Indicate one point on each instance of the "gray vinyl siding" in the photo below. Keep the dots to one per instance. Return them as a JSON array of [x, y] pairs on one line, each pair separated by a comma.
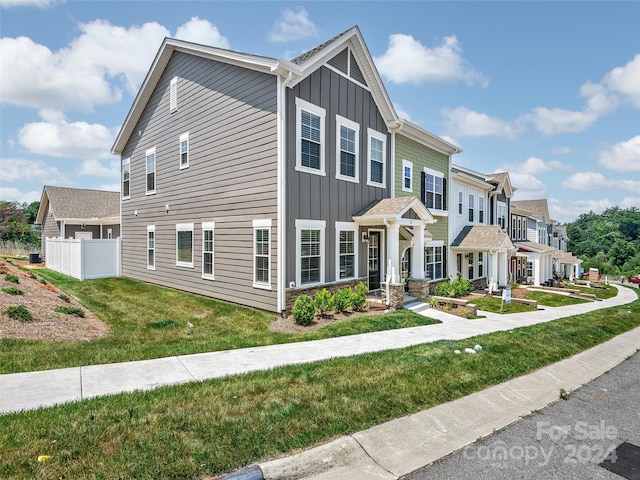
[[230, 115], [115, 231], [50, 228], [70, 230], [315, 197]]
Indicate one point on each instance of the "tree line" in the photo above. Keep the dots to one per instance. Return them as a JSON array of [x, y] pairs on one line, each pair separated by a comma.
[[16, 223], [609, 241]]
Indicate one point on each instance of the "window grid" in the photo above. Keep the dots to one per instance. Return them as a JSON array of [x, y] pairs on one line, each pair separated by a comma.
[[348, 162], [433, 186], [310, 140], [184, 150], [151, 248], [433, 262], [151, 170], [184, 245], [377, 160], [471, 212], [310, 256], [470, 267], [126, 178], [262, 248], [207, 251], [480, 210], [347, 254]]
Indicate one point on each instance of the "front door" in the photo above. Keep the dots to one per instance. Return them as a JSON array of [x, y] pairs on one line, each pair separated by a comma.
[[374, 260]]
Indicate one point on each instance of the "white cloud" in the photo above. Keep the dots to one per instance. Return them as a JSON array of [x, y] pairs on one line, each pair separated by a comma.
[[528, 187], [97, 168], [626, 80], [11, 194], [29, 3], [61, 138], [293, 25], [408, 61], [596, 181], [464, 122], [561, 150], [629, 202], [202, 31], [16, 169], [568, 211], [622, 157], [551, 121], [534, 165], [402, 113]]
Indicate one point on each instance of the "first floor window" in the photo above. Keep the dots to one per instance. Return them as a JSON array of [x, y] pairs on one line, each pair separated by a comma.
[[433, 262], [126, 172], [184, 244], [151, 247], [151, 170], [262, 252], [470, 267], [529, 269], [310, 247], [480, 265], [207, 249], [459, 264], [346, 234]]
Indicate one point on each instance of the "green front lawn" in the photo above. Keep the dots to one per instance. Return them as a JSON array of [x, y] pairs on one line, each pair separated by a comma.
[[550, 299], [606, 291], [148, 321], [493, 304], [217, 426]]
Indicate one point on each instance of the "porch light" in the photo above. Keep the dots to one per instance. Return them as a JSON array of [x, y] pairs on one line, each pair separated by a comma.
[[365, 237]]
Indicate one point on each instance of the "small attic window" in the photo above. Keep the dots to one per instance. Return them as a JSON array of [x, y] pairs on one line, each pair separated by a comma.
[[173, 94]]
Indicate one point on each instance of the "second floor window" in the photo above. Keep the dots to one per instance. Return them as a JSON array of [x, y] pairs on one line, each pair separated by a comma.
[[377, 158], [471, 208], [480, 210], [347, 149], [502, 215], [434, 192], [407, 176], [126, 172], [151, 170], [310, 137], [459, 203], [184, 150]]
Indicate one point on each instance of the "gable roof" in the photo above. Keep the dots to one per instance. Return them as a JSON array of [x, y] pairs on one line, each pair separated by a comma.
[[393, 209], [534, 247], [78, 204], [538, 208], [503, 183], [483, 238], [294, 71]]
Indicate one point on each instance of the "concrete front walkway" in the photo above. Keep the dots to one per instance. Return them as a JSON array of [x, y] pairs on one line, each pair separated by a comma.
[[26, 391]]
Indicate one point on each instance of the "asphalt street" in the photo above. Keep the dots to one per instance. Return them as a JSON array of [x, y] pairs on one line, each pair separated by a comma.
[[567, 440]]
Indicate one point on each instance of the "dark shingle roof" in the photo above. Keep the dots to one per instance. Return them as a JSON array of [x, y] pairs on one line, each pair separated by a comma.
[[301, 58], [82, 203], [476, 237]]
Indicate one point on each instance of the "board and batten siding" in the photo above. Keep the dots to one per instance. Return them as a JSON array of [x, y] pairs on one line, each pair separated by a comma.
[[315, 197], [230, 115], [422, 156]]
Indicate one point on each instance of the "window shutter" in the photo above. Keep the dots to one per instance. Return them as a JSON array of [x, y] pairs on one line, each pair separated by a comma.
[[173, 94], [422, 186], [445, 204], [445, 255]]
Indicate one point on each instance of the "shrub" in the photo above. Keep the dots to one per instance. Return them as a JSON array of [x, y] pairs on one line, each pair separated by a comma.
[[64, 298], [458, 288], [13, 291], [323, 301], [78, 312], [513, 284], [359, 297], [433, 302], [304, 310], [19, 313], [342, 300], [12, 278], [43, 281]]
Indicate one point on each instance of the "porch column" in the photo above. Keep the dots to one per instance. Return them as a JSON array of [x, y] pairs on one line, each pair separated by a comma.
[[393, 251], [536, 271], [417, 255]]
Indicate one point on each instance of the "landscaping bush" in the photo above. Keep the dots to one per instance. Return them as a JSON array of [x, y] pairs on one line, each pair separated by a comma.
[[64, 298], [342, 300], [458, 288], [78, 312], [359, 297], [323, 301], [19, 313], [43, 281], [12, 278], [304, 309], [13, 291]]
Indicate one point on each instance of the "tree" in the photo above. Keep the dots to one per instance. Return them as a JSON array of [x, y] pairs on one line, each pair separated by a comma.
[[620, 252], [31, 212]]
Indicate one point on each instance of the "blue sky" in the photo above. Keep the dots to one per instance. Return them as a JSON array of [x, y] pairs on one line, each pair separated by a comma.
[[548, 91]]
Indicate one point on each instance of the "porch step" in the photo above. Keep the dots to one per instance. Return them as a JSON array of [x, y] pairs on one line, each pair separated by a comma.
[[409, 299], [416, 306]]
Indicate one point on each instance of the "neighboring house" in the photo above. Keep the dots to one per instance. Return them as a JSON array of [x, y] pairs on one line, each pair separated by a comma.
[[422, 165], [78, 213], [479, 250], [533, 263], [560, 239], [254, 179]]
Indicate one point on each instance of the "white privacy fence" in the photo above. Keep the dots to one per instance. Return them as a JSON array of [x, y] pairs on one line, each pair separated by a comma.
[[84, 259]]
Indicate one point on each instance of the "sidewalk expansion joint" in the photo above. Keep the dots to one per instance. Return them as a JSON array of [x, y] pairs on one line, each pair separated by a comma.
[[373, 459], [81, 384], [187, 368]]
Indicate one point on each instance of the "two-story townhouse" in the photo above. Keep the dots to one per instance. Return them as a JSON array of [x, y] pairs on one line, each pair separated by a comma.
[[422, 166], [479, 250], [254, 179]]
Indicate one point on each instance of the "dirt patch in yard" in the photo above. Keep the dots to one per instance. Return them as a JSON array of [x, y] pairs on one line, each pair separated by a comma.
[[41, 300]]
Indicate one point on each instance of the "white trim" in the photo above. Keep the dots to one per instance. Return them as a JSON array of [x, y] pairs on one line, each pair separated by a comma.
[[152, 229], [183, 137], [261, 224], [173, 94], [151, 151], [319, 112], [435, 173], [346, 227], [434, 243], [409, 164], [302, 224], [383, 138], [345, 122], [127, 162], [184, 227], [209, 226]]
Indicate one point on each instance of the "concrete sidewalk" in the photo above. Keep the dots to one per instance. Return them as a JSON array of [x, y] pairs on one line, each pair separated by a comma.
[[25, 391]]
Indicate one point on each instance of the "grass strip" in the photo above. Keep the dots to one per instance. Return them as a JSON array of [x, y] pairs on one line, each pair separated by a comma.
[[217, 426], [149, 321], [497, 305], [554, 299]]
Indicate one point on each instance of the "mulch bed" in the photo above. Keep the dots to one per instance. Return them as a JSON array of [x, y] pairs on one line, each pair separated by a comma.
[[288, 324]]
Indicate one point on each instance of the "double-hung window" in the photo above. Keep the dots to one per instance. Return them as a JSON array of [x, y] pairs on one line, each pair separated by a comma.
[[480, 265], [310, 251], [407, 176], [481, 210], [377, 150], [309, 137], [471, 208], [207, 250], [184, 245], [347, 158], [433, 262], [262, 253], [470, 267], [346, 257], [459, 203], [502, 215], [515, 228], [151, 170], [126, 172], [433, 190], [151, 247], [184, 150]]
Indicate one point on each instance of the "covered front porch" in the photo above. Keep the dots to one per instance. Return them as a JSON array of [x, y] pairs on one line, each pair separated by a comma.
[[567, 265], [539, 262]]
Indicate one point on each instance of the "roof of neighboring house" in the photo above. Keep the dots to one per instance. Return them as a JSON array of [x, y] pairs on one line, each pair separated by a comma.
[[394, 209], [482, 238], [562, 230], [78, 203], [503, 183], [565, 257], [534, 247], [538, 208]]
